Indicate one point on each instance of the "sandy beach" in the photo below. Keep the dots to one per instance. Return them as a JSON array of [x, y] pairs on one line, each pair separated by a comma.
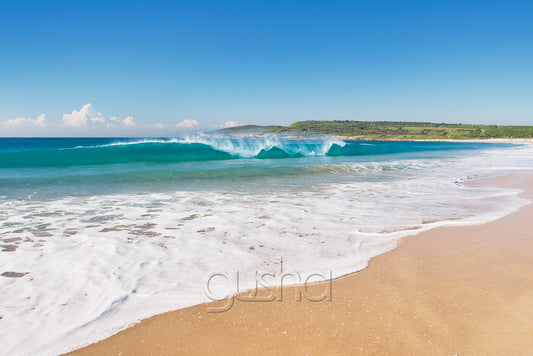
[[451, 290]]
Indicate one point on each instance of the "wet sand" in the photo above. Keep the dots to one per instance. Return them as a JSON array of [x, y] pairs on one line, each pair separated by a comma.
[[451, 290]]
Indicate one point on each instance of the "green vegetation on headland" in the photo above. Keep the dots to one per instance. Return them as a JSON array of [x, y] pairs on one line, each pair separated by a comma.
[[390, 130]]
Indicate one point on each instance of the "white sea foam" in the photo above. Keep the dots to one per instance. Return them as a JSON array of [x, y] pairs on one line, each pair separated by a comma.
[[245, 145], [128, 143], [251, 146], [98, 264]]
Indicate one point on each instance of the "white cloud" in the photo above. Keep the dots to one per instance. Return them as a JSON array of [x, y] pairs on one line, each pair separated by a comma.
[[25, 122], [231, 124], [91, 122], [99, 119], [39, 121], [128, 122], [78, 118], [187, 124], [86, 115], [158, 126]]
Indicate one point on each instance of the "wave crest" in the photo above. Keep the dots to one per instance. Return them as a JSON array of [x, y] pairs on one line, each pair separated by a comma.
[[154, 151]]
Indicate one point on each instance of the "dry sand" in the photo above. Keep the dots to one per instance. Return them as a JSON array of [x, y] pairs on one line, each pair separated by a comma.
[[451, 290]]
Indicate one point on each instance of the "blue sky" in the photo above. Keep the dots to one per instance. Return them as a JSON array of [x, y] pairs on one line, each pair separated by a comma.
[[164, 67]]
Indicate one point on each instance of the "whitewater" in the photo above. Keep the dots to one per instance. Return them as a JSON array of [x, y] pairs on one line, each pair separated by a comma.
[[97, 234]]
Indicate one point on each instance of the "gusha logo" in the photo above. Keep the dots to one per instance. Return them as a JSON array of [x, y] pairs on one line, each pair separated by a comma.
[[269, 287]]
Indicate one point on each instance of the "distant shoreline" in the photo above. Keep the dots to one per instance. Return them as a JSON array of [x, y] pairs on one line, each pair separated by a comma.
[[396, 131], [479, 140]]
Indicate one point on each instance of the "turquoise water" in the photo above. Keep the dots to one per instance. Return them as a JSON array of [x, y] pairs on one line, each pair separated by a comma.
[[46, 168]]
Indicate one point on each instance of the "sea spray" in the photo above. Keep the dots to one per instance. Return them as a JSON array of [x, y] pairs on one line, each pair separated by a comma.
[[255, 144]]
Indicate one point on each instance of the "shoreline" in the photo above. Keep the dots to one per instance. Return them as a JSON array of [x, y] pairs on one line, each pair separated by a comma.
[[196, 330], [486, 140]]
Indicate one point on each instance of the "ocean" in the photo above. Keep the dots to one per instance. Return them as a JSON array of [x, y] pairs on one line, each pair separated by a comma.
[[97, 233]]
